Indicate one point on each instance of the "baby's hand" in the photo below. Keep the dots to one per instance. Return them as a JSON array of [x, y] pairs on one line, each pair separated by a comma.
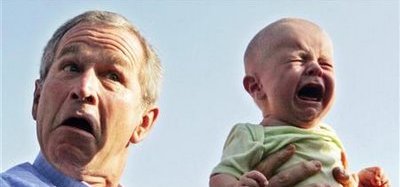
[[373, 177], [253, 178]]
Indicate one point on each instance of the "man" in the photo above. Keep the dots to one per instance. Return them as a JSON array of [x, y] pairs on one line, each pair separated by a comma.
[[99, 81]]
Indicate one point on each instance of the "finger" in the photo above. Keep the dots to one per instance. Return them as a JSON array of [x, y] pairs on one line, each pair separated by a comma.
[[258, 177], [249, 182], [342, 177], [275, 160], [318, 185], [385, 181], [344, 160], [295, 174]]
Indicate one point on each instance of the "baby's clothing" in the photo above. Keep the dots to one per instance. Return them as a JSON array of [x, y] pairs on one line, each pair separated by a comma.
[[248, 144]]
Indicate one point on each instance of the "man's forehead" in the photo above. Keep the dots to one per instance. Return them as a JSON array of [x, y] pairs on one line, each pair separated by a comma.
[[79, 51], [102, 36]]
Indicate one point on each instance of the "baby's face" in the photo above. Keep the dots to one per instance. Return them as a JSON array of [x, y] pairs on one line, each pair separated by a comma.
[[298, 75]]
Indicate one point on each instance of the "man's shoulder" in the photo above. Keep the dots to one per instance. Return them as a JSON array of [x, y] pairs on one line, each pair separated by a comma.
[[22, 175]]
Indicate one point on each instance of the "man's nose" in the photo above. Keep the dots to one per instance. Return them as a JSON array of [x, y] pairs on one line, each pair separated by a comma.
[[85, 88], [314, 69]]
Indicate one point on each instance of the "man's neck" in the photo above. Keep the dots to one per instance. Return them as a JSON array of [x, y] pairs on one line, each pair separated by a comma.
[[98, 172], [53, 175], [103, 174]]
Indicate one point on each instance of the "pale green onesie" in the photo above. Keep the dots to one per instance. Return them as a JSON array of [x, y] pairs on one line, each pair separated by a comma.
[[248, 144]]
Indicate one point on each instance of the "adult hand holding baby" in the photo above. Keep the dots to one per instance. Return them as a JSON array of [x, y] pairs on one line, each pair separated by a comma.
[[263, 175], [291, 176], [368, 177]]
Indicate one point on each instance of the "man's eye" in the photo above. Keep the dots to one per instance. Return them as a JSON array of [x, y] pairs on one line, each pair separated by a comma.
[[113, 77], [71, 68]]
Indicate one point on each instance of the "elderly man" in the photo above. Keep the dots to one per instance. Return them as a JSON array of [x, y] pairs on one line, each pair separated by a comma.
[[99, 80]]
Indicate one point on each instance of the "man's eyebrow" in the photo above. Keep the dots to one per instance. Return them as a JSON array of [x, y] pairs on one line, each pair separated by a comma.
[[72, 49], [120, 61]]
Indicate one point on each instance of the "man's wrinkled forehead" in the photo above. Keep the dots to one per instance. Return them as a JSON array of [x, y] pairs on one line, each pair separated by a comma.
[[103, 36]]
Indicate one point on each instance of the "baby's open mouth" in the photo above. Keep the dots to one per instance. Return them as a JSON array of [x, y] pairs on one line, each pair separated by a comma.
[[79, 123], [311, 92]]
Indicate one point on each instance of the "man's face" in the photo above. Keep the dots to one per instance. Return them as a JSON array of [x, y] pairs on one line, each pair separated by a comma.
[[297, 76], [90, 102]]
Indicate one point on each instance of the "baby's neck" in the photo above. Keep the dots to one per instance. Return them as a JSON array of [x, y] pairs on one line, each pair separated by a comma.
[[270, 122]]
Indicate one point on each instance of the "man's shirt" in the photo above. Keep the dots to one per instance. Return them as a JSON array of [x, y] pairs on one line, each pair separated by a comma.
[[40, 173]]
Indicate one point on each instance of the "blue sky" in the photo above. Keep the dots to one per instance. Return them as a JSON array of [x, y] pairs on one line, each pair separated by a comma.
[[201, 45]]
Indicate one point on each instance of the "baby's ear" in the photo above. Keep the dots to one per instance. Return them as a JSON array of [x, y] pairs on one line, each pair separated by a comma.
[[253, 87]]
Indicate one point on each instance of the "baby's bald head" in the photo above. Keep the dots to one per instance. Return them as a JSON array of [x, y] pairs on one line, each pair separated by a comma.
[[266, 41]]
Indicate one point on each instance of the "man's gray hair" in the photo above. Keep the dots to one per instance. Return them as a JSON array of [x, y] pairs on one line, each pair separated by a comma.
[[150, 70]]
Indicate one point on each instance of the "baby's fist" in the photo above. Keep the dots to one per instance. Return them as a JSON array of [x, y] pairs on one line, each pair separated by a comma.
[[373, 177]]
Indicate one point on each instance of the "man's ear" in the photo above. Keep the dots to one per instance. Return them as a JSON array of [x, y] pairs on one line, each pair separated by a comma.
[[36, 97], [144, 128], [253, 87]]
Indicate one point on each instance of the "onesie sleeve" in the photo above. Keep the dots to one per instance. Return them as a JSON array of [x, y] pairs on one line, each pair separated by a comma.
[[243, 149]]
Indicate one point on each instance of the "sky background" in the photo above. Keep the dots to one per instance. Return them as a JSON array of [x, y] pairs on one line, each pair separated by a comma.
[[201, 45]]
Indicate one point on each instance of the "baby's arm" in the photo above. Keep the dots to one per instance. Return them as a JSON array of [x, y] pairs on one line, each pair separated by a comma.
[[251, 178], [373, 177]]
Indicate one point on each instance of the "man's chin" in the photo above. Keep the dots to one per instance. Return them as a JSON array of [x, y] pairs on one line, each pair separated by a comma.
[[68, 157], [69, 147], [76, 158]]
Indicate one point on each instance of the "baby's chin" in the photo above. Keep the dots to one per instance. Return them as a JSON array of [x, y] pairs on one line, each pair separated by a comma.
[[308, 121], [307, 125], [309, 117]]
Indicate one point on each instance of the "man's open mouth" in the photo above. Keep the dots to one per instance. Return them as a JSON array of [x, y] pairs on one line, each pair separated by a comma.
[[79, 123], [311, 92]]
